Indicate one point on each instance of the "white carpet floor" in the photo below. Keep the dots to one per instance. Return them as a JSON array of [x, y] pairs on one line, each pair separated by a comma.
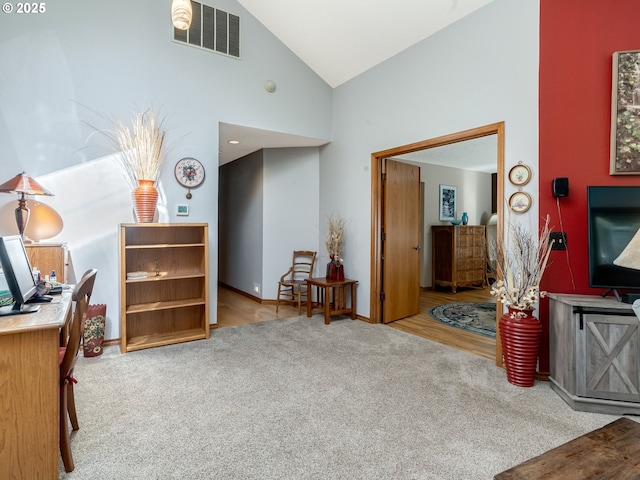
[[297, 399]]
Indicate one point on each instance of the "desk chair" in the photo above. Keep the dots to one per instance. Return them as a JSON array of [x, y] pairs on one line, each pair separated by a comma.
[[67, 358], [292, 285]]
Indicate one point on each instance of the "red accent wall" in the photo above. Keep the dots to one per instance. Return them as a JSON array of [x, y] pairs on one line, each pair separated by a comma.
[[577, 40]]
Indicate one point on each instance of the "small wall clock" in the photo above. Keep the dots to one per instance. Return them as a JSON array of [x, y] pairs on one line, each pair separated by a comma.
[[520, 202], [189, 173], [520, 175]]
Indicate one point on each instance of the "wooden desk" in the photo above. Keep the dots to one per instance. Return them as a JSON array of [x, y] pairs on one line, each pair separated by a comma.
[[339, 304], [608, 452], [29, 391]]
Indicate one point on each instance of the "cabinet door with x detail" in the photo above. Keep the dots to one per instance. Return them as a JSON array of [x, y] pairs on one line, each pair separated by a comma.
[[610, 344]]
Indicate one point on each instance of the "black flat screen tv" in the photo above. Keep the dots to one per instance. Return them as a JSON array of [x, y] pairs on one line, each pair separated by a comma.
[[17, 273], [613, 220]]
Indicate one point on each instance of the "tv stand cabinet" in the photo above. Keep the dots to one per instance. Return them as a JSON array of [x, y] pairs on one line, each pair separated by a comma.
[[168, 301], [594, 350]]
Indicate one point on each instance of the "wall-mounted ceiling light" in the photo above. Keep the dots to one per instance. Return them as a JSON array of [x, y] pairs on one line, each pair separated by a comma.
[[234, 142], [270, 86], [181, 14]]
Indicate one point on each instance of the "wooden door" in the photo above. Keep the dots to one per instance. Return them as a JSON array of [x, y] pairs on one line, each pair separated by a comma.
[[401, 245]]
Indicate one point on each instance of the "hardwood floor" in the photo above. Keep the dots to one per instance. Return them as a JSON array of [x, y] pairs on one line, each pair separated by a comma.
[[238, 309], [423, 325]]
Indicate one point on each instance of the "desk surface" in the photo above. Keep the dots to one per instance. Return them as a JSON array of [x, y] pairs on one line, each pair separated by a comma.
[[51, 315], [30, 400]]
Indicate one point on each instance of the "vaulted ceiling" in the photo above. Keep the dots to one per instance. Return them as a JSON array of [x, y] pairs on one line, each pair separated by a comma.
[[339, 40]]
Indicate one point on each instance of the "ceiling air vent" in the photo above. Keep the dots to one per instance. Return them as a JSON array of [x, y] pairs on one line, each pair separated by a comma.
[[213, 30]]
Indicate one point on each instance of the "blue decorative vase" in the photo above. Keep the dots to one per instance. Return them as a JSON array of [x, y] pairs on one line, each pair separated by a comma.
[[465, 218]]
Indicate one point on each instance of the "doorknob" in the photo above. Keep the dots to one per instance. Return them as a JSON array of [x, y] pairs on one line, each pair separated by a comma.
[[417, 247]]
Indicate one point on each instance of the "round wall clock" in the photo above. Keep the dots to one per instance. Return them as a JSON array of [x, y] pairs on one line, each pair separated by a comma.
[[189, 173], [520, 202], [520, 175]]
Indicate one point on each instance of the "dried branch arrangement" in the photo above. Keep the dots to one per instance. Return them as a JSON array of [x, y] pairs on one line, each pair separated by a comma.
[[335, 236], [139, 147], [521, 261]]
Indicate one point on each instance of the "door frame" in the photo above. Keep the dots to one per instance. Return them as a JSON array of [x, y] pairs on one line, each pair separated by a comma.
[[377, 205]]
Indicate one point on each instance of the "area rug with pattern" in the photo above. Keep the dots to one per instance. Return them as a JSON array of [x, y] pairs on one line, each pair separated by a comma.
[[473, 317]]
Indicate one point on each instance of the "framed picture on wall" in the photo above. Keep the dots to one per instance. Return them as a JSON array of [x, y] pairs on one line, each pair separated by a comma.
[[447, 203], [625, 113]]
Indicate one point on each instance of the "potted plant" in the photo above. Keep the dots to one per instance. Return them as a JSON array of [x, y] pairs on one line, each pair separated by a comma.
[[521, 262]]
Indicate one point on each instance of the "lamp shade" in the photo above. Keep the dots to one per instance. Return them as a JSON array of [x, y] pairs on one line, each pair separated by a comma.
[[44, 222], [630, 256], [23, 183], [181, 14]]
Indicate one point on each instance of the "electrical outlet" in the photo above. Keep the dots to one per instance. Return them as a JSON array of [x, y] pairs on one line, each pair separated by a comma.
[[256, 288], [559, 240]]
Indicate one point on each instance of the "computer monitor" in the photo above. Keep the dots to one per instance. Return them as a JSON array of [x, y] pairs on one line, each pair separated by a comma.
[[17, 274]]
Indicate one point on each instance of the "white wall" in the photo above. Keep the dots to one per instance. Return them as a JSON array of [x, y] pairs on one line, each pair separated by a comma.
[[84, 58], [240, 212], [481, 70], [87, 55], [268, 208], [291, 192]]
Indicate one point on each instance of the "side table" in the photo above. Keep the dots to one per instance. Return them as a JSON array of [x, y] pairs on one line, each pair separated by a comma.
[[339, 305]]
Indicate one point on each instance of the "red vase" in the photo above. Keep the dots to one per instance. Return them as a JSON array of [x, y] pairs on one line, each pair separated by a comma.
[[335, 270], [145, 197], [520, 335]]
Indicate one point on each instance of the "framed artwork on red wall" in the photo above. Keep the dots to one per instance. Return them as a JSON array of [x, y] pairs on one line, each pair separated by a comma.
[[625, 113]]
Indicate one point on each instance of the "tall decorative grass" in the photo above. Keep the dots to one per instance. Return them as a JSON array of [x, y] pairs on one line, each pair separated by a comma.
[[335, 236], [140, 147]]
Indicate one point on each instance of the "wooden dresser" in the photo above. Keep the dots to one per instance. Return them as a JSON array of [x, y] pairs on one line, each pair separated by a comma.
[[459, 256]]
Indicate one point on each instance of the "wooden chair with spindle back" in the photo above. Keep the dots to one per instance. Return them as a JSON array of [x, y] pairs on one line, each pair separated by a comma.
[[67, 358], [292, 286]]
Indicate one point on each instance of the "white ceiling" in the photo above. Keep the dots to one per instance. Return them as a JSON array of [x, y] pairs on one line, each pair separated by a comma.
[[339, 40], [479, 155]]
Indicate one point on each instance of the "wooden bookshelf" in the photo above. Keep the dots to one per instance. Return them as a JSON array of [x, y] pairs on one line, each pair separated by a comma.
[[171, 304]]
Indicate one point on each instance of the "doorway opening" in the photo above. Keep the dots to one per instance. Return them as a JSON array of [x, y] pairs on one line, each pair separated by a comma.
[[377, 208]]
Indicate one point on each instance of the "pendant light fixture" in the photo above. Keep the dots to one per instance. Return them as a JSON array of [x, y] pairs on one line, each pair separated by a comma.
[[181, 13]]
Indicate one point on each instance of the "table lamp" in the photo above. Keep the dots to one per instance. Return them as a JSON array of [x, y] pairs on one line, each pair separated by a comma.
[[23, 184]]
